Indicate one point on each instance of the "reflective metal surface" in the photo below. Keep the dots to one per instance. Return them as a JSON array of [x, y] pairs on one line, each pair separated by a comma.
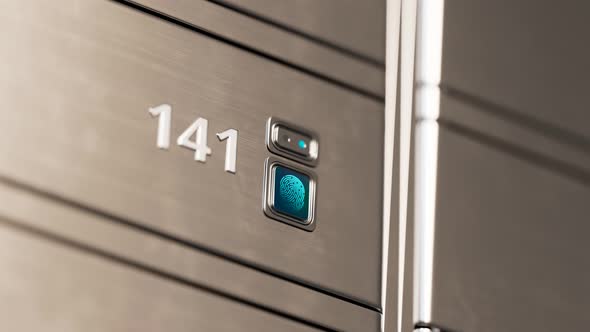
[[528, 59], [276, 42], [461, 112], [46, 286], [122, 244], [427, 110], [77, 81], [349, 25], [510, 245]]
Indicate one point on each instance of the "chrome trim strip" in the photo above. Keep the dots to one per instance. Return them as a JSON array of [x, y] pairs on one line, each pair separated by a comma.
[[390, 230], [428, 75]]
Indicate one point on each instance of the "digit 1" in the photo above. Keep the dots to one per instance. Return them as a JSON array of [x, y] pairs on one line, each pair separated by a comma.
[[231, 149], [164, 114]]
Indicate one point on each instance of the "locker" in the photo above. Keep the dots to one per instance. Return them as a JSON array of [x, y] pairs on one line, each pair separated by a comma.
[[80, 80]]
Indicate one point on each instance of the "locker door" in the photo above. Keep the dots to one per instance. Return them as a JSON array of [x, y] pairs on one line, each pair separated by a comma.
[[79, 81]]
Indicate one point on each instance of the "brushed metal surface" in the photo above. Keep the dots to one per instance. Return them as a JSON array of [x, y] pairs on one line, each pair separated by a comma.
[[462, 112], [352, 24], [273, 41], [47, 214], [528, 56], [511, 243], [48, 287], [76, 84]]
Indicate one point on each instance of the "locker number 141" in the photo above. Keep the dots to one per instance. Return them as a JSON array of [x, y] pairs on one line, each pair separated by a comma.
[[198, 130]]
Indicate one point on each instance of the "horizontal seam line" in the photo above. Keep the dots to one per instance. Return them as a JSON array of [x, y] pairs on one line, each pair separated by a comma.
[[192, 27], [540, 160], [144, 268], [109, 217], [514, 116], [312, 38]]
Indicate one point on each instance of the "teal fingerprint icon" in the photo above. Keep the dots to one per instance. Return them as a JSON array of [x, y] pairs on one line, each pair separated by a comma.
[[292, 191]]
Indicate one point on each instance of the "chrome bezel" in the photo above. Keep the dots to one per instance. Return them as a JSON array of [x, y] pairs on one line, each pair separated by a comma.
[[268, 195], [271, 142]]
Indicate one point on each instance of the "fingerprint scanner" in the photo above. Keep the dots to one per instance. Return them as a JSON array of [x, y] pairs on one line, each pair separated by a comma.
[[289, 194]]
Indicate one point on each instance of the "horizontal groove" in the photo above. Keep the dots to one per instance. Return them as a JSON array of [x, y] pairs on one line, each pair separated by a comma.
[[344, 50], [573, 172], [60, 240], [181, 241], [543, 128], [211, 34]]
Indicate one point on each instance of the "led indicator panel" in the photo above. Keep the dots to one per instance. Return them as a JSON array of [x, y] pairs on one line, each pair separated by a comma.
[[292, 141]]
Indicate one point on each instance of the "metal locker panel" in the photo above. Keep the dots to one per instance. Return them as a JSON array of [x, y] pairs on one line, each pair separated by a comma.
[[458, 111], [510, 242], [355, 26], [97, 234], [274, 42], [48, 287], [77, 81], [527, 58]]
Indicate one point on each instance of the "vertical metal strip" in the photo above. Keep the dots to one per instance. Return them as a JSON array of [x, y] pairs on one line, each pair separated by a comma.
[[428, 75], [407, 53], [401, 33], [391, 72]]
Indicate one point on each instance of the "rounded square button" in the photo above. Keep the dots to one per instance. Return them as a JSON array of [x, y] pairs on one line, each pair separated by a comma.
[[289, 194], [292, 141]]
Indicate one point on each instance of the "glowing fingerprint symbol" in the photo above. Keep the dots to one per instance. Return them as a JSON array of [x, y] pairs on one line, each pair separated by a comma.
[[293, 191]]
